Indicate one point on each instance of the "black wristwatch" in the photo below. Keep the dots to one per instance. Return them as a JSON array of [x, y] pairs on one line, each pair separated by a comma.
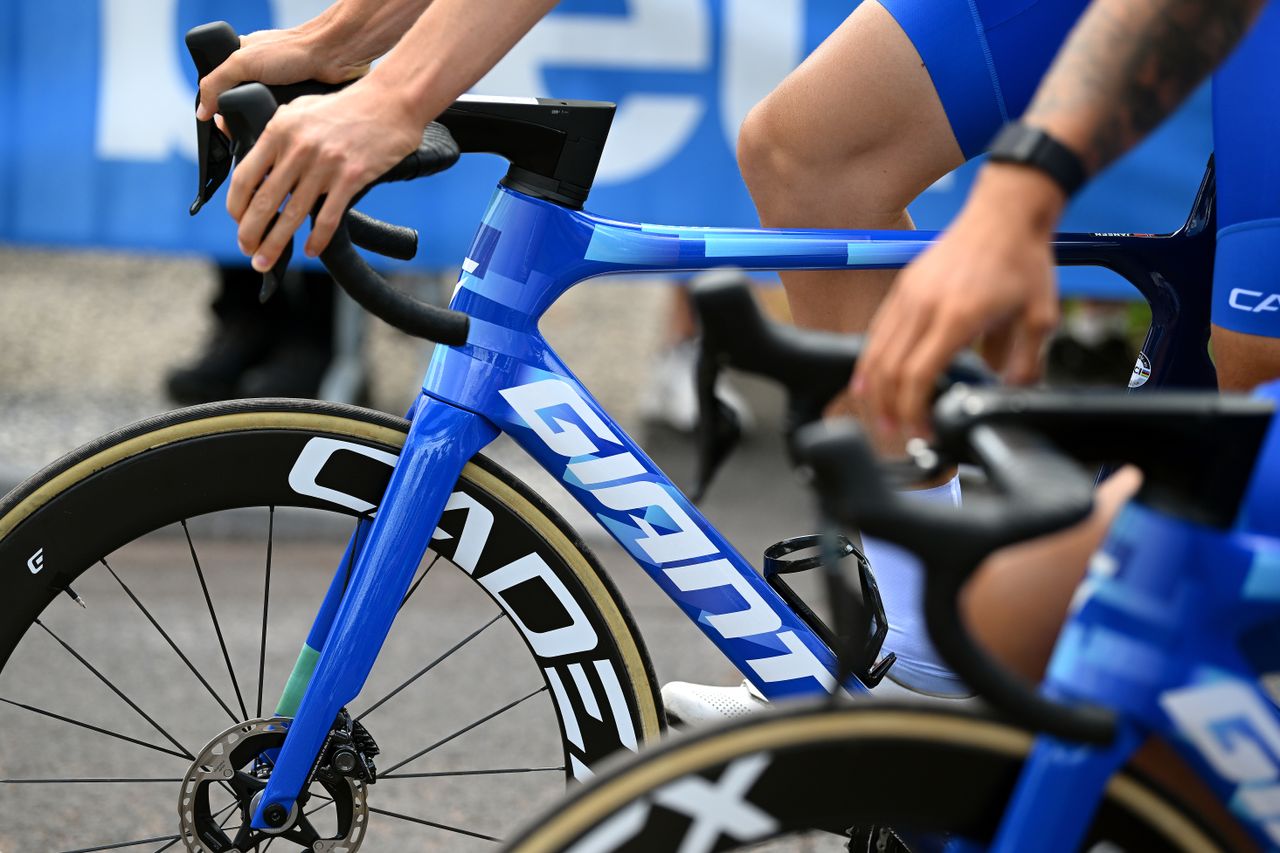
[[1031, 146]]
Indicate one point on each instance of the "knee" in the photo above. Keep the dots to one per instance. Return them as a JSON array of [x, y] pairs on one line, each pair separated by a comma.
[[776, 154], [766, 149], [793, 173]]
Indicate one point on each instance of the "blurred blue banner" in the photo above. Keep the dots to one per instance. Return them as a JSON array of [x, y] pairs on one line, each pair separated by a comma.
[[97, 138]]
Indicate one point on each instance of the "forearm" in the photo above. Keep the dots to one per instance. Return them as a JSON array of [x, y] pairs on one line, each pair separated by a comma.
[[452, 45], [1127, 65], [363, 30]]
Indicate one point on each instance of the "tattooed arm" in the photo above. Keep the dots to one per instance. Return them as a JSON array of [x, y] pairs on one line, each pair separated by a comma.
[[1127, 65], [1124, 68]]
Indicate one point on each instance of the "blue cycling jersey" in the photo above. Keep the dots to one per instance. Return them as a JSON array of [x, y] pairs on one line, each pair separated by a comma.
[[986, 58]]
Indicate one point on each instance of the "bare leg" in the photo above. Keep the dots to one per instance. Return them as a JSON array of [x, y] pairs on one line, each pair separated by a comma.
[[1017, 601], [847, 140], [1244, 361]]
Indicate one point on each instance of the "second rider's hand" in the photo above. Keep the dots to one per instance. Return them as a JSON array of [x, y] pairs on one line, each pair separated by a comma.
[[328, 145], [991, 273]]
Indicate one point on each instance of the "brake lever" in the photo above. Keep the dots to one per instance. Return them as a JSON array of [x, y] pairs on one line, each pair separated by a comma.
[[209, 46], [719, 429], [214, 157], [274, 277]]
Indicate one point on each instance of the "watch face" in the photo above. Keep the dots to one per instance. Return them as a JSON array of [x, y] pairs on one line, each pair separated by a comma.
[[1016, 142], [1031, 146], [1027, 144]]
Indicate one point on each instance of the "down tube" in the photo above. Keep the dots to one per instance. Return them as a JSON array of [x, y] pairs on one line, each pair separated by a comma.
[[555, 419]]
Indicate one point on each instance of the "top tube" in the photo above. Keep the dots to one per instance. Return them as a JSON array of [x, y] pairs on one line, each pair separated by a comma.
[[559, 247]]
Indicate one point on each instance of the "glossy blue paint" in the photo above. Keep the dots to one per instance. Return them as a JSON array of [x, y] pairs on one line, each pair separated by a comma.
[[1259, 514], [441, 440], [525, 255], [666, 535], [1058, 792], [333, 595], [1174, 627]]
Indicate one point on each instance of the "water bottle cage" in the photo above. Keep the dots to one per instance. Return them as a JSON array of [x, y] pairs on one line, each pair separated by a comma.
[[861, 624]]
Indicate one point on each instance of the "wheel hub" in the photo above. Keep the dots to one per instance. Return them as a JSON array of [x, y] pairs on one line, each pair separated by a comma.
[[221, 790]]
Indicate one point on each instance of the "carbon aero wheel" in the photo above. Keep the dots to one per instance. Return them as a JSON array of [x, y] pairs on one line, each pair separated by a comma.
[[201, 543], [921, 770]]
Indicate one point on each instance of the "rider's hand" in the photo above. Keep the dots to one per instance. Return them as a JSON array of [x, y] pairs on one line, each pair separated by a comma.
[[312, 51], [991, 273], [330, 145]]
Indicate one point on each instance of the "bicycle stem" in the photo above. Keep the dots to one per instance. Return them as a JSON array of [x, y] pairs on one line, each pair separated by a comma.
[[442, 439]]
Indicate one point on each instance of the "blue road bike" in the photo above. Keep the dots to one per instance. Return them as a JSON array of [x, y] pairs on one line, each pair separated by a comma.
[[1172, 633], [418, 493]]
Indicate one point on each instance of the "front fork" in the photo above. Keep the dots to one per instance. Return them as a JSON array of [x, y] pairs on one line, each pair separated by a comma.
[[357, 612], [1058, 791]]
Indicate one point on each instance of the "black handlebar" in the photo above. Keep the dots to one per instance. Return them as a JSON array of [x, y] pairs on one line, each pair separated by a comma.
[[392, 241], [380, 299], [247, 109], [1039, 491], [1197, 451], [813, 366], [816, 365]]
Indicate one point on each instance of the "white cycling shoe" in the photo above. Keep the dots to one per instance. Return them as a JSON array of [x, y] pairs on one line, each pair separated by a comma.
[[695, 704]]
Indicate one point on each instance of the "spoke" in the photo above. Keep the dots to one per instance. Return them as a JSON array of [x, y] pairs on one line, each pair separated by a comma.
[[120, 844], [324, 805], [92, 728], [443, 826], [216, 816], [86, 781], [496, 772], [223, 823], [327, 802], [464, 730], [170, 641], [217, 628], [117, 691], [266, 601], [417, 584], [477, 632]]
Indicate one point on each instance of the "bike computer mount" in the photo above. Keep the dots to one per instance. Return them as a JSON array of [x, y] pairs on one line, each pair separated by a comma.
[[554, 146]]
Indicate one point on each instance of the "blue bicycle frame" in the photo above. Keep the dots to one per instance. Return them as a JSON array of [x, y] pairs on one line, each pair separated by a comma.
[[1176, 628], [526, 254]]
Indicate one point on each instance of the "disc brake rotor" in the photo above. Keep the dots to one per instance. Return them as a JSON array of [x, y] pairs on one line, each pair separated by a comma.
[[238, 761]]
